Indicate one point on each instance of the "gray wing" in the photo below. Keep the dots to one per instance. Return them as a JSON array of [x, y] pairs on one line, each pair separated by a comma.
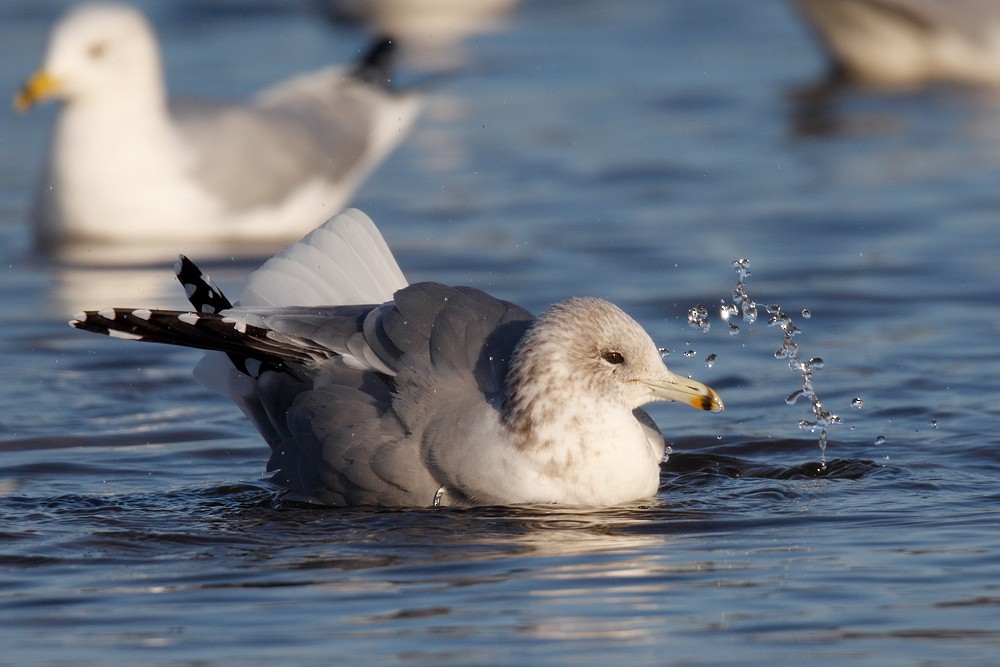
[[256, 155], [969, 17], [380, 434], [972, 19], [326, 124], [654, 436], [453, 331]]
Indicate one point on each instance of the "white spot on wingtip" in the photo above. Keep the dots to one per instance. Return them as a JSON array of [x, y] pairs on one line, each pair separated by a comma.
[[189, 318], [142, 313], [78, 317], [107, 313], [190, 289], [238, 325], [123, 335]]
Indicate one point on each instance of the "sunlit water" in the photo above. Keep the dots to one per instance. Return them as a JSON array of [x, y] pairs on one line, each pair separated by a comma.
[[626, 150]]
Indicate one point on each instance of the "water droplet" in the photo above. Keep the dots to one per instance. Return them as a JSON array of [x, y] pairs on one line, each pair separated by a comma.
[[794, 396], [806, 313], [816, 362], [857, 402], [934, 423], [689, 353], [698, 318], [742, 267], [710, 359], [664, 352], [733, 329], [880, 440]]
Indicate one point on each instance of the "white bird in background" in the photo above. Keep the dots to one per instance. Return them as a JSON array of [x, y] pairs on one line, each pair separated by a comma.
[[126, 166], [432, 31], [439, 396], [908, 42]]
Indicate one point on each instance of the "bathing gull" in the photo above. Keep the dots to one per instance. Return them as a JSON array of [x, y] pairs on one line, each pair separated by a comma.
[[127, 166], [438, 396], [906, 42]]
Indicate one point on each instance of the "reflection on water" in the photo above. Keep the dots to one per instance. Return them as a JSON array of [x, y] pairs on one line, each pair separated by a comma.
[[80, 287]]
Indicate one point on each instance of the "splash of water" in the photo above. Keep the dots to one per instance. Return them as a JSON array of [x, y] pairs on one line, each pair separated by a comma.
[[744, 305]]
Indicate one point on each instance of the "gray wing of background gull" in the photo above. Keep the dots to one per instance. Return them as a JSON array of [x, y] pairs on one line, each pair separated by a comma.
[[973, 18], [318, 125], [933, 39]]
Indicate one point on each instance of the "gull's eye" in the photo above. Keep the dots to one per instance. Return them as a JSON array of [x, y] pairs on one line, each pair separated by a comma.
[[613, 357], [96, 50]]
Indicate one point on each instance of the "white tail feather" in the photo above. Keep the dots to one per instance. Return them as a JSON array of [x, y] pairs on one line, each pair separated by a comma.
[[344, 261]]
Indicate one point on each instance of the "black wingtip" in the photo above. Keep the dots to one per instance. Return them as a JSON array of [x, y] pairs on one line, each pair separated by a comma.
[[203, 294], [375, 67]]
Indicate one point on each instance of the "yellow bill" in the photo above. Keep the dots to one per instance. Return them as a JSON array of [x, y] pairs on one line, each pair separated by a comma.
[[39, 87]]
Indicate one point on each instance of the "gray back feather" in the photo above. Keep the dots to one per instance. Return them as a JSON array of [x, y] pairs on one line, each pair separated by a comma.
[[350, 436], [255, 155]]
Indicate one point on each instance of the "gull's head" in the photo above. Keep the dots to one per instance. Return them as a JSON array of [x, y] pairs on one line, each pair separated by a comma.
[[591, 348], [96, 50]]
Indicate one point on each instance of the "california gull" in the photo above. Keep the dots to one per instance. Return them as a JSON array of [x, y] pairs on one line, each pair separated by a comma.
[[438, 396], [127, 166], [905, 42]]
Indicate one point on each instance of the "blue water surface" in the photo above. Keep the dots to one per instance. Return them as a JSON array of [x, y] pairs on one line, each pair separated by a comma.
[[629, 150]]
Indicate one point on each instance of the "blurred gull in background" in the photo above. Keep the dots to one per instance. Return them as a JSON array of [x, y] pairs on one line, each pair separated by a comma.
[[440, 396], [126, 166], [908, 42], [431, 30]]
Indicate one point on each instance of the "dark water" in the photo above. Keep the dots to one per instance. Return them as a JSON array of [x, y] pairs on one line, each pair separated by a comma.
[[627, 150]]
